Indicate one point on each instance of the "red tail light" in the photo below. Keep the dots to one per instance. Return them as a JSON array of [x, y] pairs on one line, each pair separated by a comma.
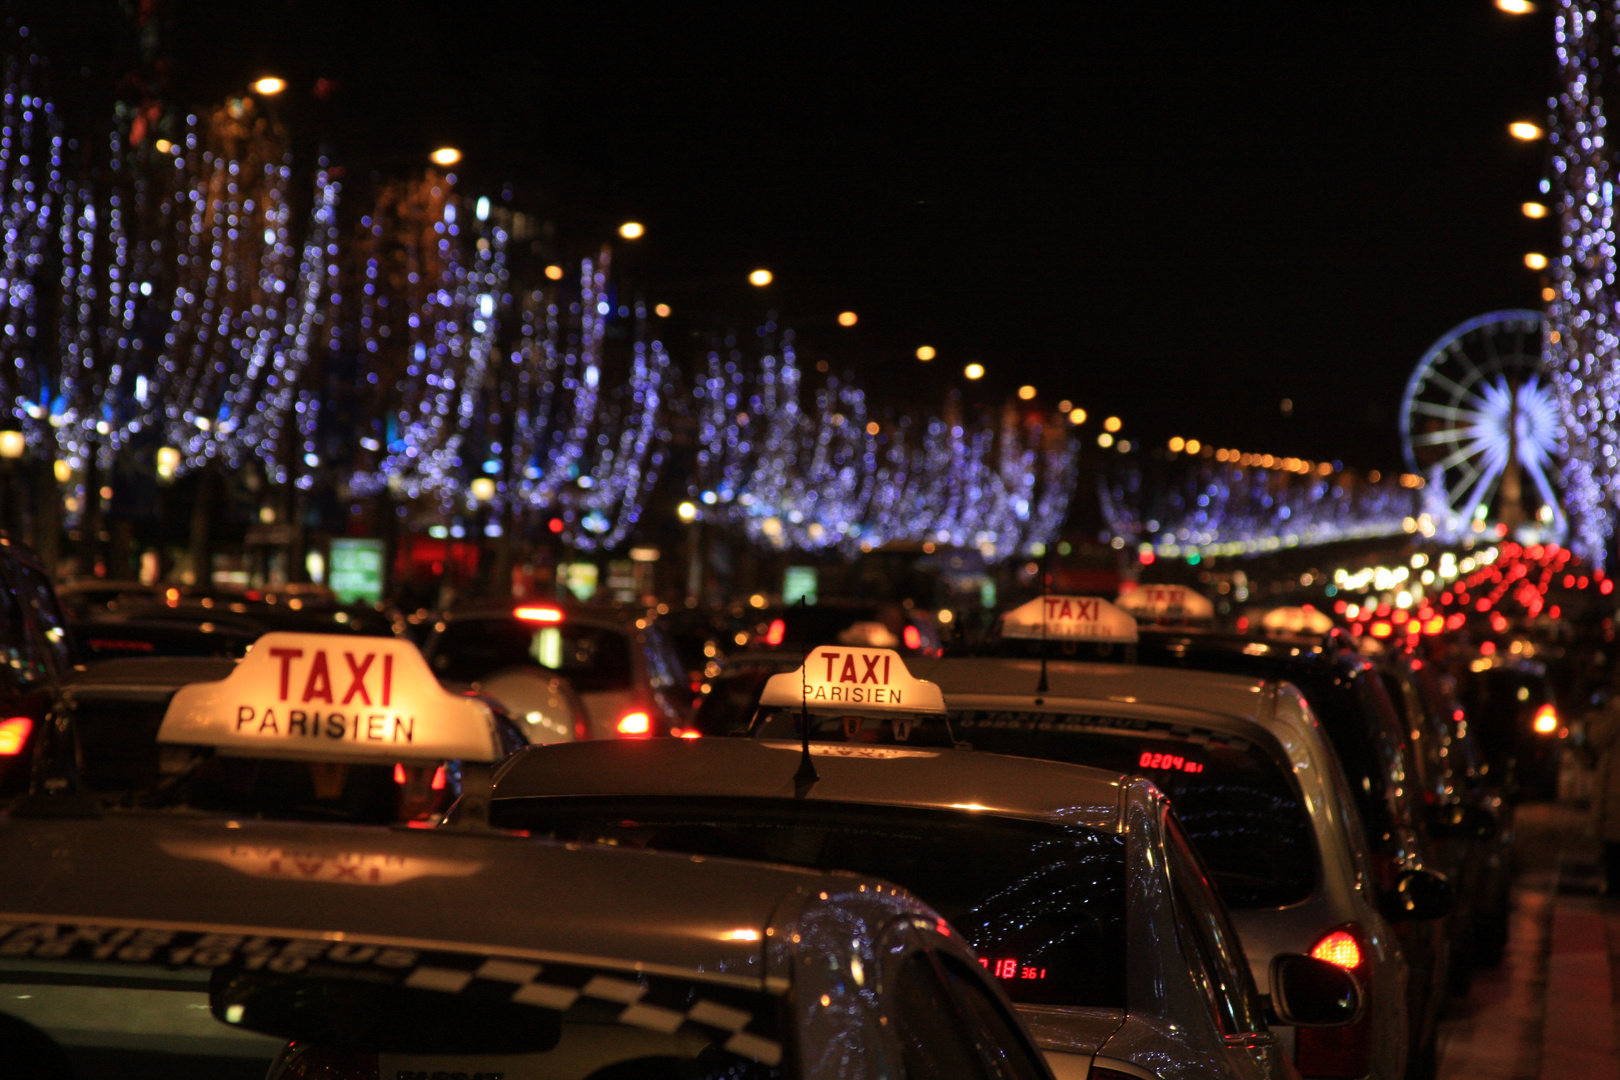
[[635, 724], [582, 728], [13, 733], [1545, 723], [399, 773], [539, 614], [912, 637], [776, 633], [686, 733], [1340, 949], [1339, 1052], [438, 779]]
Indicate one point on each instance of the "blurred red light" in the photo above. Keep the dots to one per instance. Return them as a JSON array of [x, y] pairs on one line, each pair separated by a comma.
[[1147, 558], [636, 723], [1339, 949], [1487, 648], [1380, 629], [555, 525], [539, 614], [912, 637], [13, 733], [776, 633]]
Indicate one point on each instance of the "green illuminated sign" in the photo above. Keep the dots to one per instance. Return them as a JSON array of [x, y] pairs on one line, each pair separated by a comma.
[[356, 570]]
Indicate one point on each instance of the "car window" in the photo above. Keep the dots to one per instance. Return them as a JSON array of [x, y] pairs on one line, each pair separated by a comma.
[[995, 1034], [663, 666], [594, 659], [1237, 799], [934, 1042], [37, 593], [1043, 904], [1210, 936], [18, 653]]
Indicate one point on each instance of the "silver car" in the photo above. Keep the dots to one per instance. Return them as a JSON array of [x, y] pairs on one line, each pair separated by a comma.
[[1075, 886], [1260, 792]]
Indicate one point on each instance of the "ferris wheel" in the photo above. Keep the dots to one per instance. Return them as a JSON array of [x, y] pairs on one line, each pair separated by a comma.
[[1479, 416]]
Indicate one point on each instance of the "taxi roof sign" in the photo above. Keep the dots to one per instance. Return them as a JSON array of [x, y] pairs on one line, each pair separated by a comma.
[[848, 680], [332, 697], [1166, 602], [1069, 618], [1296, 620]]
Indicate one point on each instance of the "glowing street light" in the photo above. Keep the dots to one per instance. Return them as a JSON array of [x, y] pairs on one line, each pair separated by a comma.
[[483, 489], [1534, 210], [445, 155], [269, 86], [168, 462], [632, 230], [686, 511], [1176, 444], [1524, 130], [662, 311], [554, 272], [1535, 260], [1026, 393], [974, 371], [760, 278], [926, 353], [1515, 7], [848, 318], [1077, 417], [1112, 424]]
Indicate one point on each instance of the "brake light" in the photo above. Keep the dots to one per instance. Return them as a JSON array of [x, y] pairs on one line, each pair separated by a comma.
[[1545, 723], [1338, 1052], [636, 723], [438, 779], [399, 773], [686, 733], [13, 733], [776, 633], [1340, 949], [912, 637], [539, 614]]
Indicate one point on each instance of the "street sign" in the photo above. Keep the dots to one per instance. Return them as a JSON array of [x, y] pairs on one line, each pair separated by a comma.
[[356, 570]]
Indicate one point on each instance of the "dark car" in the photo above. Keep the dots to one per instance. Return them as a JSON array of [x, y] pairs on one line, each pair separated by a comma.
[[1468, 818], [1519, 722], [803, 626], [36, 651], [1373, 746]]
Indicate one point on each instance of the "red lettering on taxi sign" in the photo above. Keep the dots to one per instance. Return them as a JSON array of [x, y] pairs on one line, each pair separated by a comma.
[[1069, 618]]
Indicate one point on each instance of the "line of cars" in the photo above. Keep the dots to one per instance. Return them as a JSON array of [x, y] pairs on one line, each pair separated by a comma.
[[1050, 874]]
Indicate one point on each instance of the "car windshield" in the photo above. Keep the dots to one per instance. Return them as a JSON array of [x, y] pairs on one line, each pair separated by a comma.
[[1237, 800], [119, 1001], [594, 659], [1042, 903]]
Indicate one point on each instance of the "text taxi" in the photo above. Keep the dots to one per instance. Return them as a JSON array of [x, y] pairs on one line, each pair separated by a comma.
[[1072, 884]]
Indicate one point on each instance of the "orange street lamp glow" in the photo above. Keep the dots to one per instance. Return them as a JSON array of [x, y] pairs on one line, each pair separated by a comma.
[[554, 272], [1515, 7], [269, 86], [632, 230], [1534, 210], [1524, 130], [848, 318], [1077, 417], [1112, 424], [662, 311], [1026, 393], [926, 352], [974, 371], [760, 278], [446, 155], [1535, 260], [1176, 444]]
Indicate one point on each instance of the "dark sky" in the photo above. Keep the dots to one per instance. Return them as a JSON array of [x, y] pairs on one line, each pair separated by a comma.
[[1178, 212]]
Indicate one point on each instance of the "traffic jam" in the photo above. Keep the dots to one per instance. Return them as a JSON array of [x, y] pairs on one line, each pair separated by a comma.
[[1104, 837]]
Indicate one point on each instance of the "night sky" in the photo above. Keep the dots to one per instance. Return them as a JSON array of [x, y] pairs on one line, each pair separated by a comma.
[[1180, 213]]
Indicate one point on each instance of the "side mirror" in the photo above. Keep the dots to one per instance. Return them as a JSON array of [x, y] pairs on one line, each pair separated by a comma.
[[1419, 894], [1306, 992]]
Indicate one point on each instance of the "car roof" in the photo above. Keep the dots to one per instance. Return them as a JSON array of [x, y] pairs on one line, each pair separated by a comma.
[[1117, 689], [922, 777], [144, 676], [662, 913]]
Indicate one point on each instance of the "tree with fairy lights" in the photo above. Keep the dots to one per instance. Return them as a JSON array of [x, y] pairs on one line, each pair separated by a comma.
[[1582, 347]]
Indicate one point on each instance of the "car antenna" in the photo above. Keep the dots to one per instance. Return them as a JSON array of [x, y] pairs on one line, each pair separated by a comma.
[[1041, 687], [806, 777]]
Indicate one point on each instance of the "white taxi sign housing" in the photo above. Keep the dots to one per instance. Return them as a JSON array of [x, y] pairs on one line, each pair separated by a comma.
[[848, 680], [1069, 618], [1166, 602], [332, 697]]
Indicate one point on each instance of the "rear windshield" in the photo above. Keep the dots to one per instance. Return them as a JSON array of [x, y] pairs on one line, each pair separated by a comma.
[[1237, 802], [1043, 904], [595, 660]]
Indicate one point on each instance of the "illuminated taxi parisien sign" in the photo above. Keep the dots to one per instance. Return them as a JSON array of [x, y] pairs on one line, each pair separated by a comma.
[[848, 680], [1069, 618], [332, 697], [1166, 602]]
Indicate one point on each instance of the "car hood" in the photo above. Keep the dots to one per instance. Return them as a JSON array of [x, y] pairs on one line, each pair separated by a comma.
[[1073, 1031]]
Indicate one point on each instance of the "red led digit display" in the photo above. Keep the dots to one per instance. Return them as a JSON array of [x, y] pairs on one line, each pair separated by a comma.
[[1174, 762], [1010, 968]]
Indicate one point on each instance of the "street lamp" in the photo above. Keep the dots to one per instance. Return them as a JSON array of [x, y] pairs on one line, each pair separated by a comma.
[[1534, 210], [445, 155], [848, 318], [12, 444], [1524, 130], [632, 230], [168, 462], [1535, 260], [1026, 393], [269, 86], [1515, 7], [760, 278], [926, 353], [974, 371], [483, 489]]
